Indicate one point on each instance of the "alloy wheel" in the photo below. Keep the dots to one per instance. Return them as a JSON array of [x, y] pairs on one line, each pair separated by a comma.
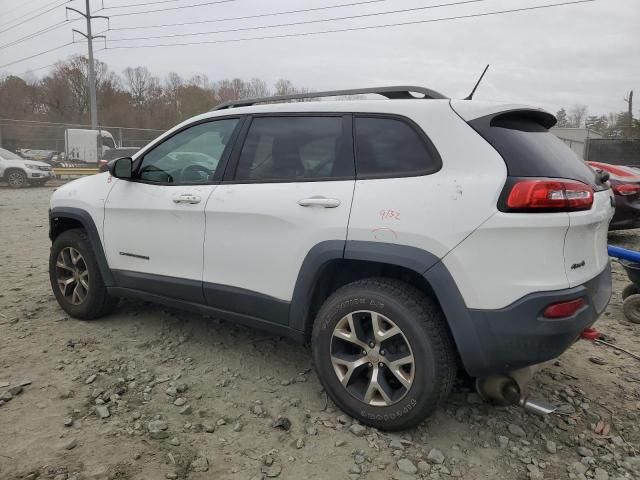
[[72, 275], [16, 179], [372, 358]]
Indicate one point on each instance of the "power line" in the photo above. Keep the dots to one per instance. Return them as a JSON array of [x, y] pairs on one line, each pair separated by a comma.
[[34, 16], [36, 55], [304, 22], [24, 14], [39, 122], [247, 17], [42, 31], [139, 4], [351, 29], [170, 8]]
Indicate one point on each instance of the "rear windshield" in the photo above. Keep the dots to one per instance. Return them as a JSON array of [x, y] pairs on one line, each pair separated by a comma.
[[530, 150]]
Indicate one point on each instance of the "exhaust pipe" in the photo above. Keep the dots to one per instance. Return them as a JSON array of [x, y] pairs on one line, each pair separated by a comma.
[[505, 390]]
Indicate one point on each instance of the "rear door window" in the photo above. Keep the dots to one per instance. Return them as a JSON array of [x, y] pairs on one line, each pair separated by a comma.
[[392, 147], [296, 149]]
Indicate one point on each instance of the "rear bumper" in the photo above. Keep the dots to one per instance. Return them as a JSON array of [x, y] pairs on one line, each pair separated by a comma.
[[492, 342]]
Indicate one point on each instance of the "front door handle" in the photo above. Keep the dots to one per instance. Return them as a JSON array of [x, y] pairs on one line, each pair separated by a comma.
[[187, 198], [320, 202]]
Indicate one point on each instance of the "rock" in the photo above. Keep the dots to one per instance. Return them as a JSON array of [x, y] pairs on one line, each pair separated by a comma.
[[90, 379], [200, 464], [102, 411], [174, 441], [503, 442], [257, 410], [272, 471], [359, 459], [405, 465], [617, 441], [237, 427], [157, 429], [186, 410], [584, 452], [601, 474], [25, 382], [516, 430], [435, 457], [6, 396], [355, 469], [577, 468], [534, 473], [344, 420], [209, 428], [340, 443], [180, 401], [299, 443], [358, 430], [550, 447], [69, 444], [396, 445], [283, 423], [424, 467], [598, 360], [17, 390]]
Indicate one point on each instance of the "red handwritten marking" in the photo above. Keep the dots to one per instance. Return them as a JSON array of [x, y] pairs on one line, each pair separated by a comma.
[[389, 214]]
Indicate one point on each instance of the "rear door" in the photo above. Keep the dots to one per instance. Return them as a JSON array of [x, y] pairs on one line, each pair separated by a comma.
[[290, 185]]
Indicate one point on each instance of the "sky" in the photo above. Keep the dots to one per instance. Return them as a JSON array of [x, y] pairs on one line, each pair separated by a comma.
[[583, 53]]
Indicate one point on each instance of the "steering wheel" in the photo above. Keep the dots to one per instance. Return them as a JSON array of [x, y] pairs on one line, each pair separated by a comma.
[[195, 173]]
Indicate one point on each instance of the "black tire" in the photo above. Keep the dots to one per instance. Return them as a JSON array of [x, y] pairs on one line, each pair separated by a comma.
[[16, 178], [631, 289], [97, 302], [631, 308], [424, 328]]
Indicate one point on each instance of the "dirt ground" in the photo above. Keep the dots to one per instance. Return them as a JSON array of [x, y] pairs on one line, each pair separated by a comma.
[[151, 393]]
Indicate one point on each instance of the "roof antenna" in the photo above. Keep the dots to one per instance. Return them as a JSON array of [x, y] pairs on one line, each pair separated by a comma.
[[477, 83]]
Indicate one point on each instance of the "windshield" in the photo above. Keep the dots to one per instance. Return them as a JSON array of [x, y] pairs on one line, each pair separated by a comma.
[[7, 155]]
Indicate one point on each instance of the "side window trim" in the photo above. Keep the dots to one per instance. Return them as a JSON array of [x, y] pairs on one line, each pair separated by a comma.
[[428, 144], [234, 158], [217, 176]]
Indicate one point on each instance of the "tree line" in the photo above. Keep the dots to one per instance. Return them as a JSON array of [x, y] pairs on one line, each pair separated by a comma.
[[136, 98], [621, 124]]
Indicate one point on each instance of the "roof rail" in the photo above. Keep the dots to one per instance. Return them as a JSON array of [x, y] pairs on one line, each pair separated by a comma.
[[404, 92]]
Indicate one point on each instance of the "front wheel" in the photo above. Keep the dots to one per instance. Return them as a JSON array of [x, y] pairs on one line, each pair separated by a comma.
[[631, 308], [75, 277], [383, 352], [17, 179]]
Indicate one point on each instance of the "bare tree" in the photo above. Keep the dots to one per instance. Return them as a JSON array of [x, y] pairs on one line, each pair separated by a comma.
[[577, 115], [142, 85]]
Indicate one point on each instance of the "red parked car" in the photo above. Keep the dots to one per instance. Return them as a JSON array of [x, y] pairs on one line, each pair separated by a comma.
[[625, 183]]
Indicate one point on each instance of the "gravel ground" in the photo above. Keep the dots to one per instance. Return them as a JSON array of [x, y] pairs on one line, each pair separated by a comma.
[[152, 393]]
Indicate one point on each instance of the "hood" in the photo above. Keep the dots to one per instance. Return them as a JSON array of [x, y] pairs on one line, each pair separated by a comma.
[[21, 163]]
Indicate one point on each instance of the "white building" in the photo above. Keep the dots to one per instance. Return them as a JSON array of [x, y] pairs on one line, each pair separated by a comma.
[[576, 138]]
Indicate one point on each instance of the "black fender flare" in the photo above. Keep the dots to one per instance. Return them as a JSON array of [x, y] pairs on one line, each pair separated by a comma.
[[84, 218], [422, 262]]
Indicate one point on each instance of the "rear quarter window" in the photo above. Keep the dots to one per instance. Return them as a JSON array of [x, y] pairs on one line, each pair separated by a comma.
[[392, 147], [529, 149]]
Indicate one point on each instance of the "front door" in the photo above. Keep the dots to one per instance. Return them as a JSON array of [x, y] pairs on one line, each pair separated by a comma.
[[291, 188], [154, 224]]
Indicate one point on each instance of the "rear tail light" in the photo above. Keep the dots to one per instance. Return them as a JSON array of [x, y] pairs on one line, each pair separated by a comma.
[[544, 195], [563, 309], [626, 188]]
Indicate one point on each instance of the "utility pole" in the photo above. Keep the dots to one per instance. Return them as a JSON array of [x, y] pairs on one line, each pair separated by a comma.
[[629, 100], [93, 103]]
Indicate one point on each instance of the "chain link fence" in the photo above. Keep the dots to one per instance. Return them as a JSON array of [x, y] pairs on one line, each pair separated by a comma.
[[60, 143]]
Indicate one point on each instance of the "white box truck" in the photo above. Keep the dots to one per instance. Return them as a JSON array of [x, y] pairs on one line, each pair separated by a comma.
[[87, 146]]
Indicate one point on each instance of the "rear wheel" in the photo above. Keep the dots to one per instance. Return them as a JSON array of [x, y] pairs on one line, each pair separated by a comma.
[[16, 178], [75, 277], [629, 290], [631, 308], [383, 353]]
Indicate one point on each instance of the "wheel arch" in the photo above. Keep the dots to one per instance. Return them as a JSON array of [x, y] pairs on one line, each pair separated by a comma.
[[62, 219], [330, 265]]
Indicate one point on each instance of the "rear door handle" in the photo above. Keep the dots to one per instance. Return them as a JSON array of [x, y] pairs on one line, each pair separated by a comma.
[[320, 202], [187, 198]]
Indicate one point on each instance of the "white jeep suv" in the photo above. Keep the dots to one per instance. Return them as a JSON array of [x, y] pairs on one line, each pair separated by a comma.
[[404, 237]]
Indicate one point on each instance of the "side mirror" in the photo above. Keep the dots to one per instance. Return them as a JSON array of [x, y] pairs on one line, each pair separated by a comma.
[[121, 167]]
